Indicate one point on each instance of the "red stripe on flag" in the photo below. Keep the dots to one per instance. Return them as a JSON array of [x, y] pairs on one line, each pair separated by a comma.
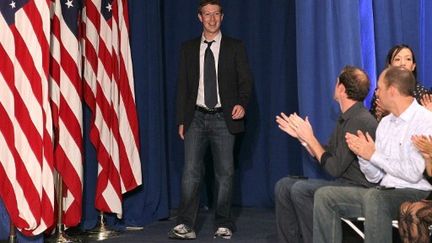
[[114, 129], [7, 128], [29, 168], [66, 57]]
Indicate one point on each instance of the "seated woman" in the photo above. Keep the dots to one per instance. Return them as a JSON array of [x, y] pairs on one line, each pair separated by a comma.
[[415, 217], [400, 56]]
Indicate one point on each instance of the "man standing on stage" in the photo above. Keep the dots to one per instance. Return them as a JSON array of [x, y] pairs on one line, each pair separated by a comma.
[[214, 86]]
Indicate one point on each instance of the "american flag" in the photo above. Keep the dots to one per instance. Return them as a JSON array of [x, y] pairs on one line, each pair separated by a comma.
[[66, 98], [109, 92], [26, 149]]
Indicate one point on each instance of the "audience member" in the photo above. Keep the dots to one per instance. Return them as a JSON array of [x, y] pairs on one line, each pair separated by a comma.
[[416, 217], [393, 161], [400, 56], [293, 196]]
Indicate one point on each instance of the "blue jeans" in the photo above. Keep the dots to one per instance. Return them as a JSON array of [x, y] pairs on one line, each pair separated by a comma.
[[207, 130], [294, 200], [379, 207]]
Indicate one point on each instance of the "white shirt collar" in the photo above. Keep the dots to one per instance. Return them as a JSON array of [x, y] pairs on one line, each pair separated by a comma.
[[408, 114], [217, 38]]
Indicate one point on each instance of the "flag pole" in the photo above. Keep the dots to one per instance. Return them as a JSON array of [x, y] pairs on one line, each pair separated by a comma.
[[101, 231], [12, 234], [60, 235]]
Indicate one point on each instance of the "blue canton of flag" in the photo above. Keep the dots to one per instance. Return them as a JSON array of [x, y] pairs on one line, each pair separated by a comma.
[[71, 10], [8, 8], [106, 9]]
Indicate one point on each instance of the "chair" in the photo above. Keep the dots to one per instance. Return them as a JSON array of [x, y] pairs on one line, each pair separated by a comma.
[[362, 219]]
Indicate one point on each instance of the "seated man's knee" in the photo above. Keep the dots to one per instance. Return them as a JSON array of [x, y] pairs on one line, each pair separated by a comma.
[[301, 190], [283, 187], [373, 196], [322, 196], [377, 201]]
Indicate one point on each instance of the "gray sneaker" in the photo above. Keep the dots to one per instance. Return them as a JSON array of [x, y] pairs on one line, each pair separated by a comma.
[[223, 232], [182, 232]]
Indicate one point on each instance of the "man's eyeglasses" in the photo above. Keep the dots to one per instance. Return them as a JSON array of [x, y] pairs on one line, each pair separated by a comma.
[[209, 15]]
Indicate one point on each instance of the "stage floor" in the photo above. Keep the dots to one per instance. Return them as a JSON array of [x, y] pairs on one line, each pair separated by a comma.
[[254, 225]]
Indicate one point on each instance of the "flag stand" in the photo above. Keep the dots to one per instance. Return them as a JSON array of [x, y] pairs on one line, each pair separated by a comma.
[[12, 234], [60, 235], [101, 231]]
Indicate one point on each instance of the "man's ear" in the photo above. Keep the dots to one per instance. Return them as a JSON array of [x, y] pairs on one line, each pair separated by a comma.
[[392, 90], [200, 17], [342, 89]]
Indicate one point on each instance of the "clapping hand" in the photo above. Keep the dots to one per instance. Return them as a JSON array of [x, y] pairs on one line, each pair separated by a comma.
[[286, 125], [295, 126], [361, 144], [304, 129], [426, 101], [379, 110], [423, 144]]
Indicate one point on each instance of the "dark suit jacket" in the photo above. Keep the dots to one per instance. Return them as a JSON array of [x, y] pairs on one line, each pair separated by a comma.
[[234, 80]]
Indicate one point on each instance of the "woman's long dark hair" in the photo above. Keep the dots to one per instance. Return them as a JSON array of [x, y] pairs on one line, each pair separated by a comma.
[[395, 50]]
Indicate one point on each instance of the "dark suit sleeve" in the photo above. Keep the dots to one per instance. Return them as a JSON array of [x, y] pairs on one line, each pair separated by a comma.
[[244, 76], [181, 87]]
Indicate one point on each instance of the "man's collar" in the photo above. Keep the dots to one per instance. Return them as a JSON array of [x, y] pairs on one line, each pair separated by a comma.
[[217, 38], [408, 114], [353, 110]]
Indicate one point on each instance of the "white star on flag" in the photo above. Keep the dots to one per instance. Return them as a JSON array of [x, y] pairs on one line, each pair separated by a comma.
[[12, 4], [109, 7], [69, 3]]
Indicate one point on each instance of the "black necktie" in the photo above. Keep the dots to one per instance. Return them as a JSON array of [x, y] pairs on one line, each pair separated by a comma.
[[210, 93]]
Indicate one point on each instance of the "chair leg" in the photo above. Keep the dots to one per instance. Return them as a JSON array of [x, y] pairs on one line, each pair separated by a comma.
[[354, 227]]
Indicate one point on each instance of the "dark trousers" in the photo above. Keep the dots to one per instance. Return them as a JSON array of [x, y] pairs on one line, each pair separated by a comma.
[[379, 207], [294, 203], [207, 130]]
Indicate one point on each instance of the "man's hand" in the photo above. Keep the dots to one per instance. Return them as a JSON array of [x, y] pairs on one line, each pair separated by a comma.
[[181, 131], [361, 144], [238, 112], [303, 128], [295, 126], [284, 124]]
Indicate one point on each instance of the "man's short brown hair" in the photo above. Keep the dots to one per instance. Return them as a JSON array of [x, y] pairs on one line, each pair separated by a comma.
[[207, 2], [402, 79], [356, 83]]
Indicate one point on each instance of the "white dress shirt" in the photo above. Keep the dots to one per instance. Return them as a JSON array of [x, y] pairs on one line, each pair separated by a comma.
[[215, 47], [396, 161]]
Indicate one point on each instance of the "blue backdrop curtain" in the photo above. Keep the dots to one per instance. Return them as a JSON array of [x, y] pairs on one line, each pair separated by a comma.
[[296, 50], [334, 33], [328, 38], [425, 42]]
